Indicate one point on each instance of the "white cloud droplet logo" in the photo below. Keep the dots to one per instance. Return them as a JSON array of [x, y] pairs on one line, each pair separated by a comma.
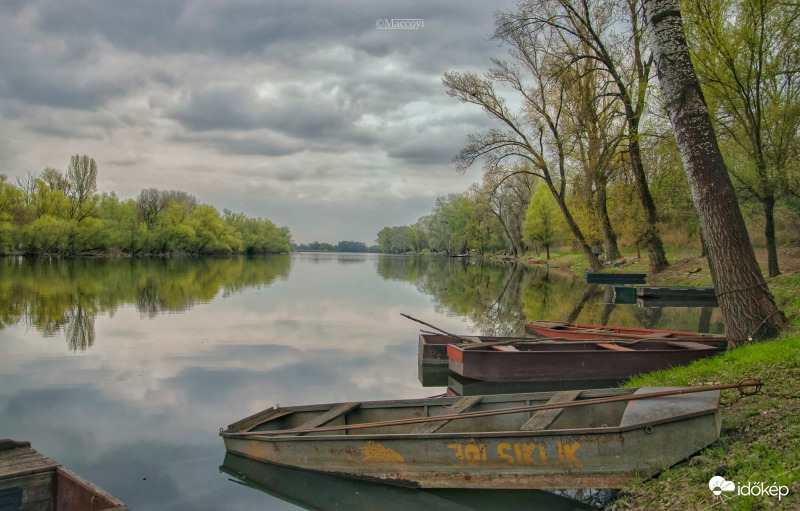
[[718, 484]]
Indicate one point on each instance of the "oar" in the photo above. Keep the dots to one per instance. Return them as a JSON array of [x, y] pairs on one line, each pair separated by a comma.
[[454, 336]]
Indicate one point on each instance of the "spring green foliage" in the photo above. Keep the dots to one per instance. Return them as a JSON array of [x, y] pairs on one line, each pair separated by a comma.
[[544, 225], [56, 213]]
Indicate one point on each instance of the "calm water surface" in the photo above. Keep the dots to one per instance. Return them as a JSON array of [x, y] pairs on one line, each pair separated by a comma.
[[124, 370]]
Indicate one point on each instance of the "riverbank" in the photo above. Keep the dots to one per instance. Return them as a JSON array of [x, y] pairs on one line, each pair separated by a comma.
[[760, 439], [688, 268]]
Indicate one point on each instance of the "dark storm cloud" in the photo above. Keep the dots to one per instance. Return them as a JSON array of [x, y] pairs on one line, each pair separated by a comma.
[[298, 115]]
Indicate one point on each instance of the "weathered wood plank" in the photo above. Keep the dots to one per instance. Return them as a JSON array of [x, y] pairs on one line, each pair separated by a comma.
[[690, 345], [504, 348], [613, 347], [543, 418], [330, 415], [462, 405]]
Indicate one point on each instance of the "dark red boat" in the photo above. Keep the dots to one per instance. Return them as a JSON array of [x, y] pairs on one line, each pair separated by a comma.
[[571, 360], [573, 331], [433, 347]]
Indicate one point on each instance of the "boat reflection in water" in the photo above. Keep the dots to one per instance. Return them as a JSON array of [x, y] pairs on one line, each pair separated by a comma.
[[318, 491], [457, 385]]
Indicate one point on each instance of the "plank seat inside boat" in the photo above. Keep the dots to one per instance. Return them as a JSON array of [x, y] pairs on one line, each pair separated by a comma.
[[504, 348], [691, 345], [544, 418], [613, 347], [460, 406]]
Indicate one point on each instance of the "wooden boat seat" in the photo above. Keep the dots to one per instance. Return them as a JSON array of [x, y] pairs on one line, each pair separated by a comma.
[[613, 347], [690, 345], [330, 415], [543, 418], [462, 405], [504, 348]]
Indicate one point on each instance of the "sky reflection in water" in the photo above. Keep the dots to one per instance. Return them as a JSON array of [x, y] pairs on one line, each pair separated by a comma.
[[125, 370]]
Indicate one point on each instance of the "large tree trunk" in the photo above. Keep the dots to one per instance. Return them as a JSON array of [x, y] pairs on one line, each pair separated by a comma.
[[651, 238], [748, 309], [594, 262], [600, 207], [769, 233]]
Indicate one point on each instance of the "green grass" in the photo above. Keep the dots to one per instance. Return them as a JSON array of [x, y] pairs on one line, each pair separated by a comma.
[[760, 439], [786, 289], [744, 362]]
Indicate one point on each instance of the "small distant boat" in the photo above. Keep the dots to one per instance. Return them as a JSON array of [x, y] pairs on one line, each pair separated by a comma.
[[676, 292], [672, 296], [614, 278], [31, 481], [595, 439], [559, 329], [572, 360]]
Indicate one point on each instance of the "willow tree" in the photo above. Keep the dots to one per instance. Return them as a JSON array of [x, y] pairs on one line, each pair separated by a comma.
[[611, 36], [598, 135], [747, 306], [536, 134], [748, 60]]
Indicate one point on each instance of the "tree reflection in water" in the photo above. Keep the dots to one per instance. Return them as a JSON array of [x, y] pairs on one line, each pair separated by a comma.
[[63, 297], [499, 298]]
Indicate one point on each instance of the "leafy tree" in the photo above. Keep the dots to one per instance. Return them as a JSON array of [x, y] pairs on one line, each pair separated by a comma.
[[747, 307], [610, 35], [544, 226], [748, 60]]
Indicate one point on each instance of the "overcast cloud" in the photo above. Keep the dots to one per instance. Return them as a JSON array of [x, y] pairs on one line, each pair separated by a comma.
[[301, 112]]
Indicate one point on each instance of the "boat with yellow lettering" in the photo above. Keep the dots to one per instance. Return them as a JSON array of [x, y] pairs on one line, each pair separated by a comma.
[[549, 440]]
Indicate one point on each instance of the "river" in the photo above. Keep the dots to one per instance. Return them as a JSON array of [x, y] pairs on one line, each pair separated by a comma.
[[124, 370]]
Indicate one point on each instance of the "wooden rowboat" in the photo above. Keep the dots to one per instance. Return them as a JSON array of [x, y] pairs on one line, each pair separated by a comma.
[[572, 360], [432, 349], [31, 481], [493, 442], [575, 331]]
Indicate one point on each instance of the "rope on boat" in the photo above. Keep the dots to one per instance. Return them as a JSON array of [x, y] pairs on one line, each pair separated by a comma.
[[741, 385]]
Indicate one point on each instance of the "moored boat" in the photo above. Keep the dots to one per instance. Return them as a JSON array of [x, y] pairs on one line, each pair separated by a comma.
[[572, 360], [560, 329], [432, 349], [571, 439], [31, 481], [614, 278]]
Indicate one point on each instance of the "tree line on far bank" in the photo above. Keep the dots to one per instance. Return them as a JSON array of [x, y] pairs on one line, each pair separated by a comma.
[[61, 213], [342, 246]]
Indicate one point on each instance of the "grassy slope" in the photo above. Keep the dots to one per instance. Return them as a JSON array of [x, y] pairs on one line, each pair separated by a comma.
[[760, 438]]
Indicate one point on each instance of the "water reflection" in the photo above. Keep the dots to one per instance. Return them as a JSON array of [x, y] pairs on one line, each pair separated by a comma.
[[498, 299], [170, 350], [322, 492], [66, 296]]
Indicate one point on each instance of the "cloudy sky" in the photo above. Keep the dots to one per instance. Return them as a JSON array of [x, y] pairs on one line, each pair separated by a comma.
[[301, 112]]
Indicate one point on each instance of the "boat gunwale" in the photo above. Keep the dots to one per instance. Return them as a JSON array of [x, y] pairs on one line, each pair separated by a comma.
[[405, 403], [290, 435], [674, 349]]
